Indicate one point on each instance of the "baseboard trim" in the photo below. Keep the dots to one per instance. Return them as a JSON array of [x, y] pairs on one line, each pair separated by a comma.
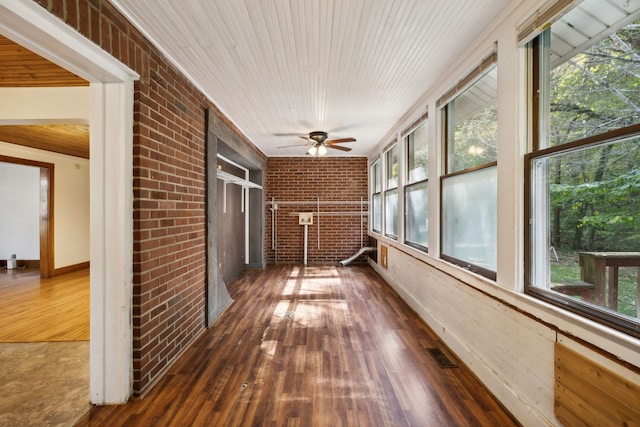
[[71, 268], [21, 264]]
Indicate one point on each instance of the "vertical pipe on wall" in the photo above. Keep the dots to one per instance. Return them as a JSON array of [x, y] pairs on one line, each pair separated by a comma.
[[318, 220], [361, 224], [245, 210], [274, 229], [306, 235], [224, 197]]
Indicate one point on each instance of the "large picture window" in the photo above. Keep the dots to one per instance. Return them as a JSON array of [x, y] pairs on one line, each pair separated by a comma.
[[391, 193], [469, 186], [416, 194], [583, 202]]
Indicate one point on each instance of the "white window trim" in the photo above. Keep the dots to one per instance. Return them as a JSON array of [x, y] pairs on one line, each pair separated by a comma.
[[372, 183], [399, 188], [423, 120]]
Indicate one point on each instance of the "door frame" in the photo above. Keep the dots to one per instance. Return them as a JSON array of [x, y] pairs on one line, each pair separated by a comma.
[[45, 210], [111, 187]]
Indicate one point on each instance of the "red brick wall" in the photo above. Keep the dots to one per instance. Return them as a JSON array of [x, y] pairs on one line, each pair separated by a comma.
[[169, 190], [305, 179]]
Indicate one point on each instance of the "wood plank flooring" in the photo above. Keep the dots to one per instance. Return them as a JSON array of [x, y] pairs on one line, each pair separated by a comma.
[[311, 346], [35, 310]]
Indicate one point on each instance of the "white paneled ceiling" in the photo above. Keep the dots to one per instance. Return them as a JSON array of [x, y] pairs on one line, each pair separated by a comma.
[[282, 68]]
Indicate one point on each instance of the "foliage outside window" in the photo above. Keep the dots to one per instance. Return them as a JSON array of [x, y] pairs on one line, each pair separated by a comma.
[[584, 192], [391, 193], [376, 206], [416, 193], [391, 163], [469, 186], [472, 125]]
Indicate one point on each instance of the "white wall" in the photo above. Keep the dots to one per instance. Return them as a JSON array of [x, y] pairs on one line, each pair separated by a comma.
[[19, 207], [55, 105], [71, 204], [38, 105], [504, 336]]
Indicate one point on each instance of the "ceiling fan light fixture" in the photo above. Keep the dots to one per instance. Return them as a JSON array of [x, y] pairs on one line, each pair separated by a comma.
[[317, 150]]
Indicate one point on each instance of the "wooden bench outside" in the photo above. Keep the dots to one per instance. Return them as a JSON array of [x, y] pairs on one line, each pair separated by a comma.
[[584, 290]]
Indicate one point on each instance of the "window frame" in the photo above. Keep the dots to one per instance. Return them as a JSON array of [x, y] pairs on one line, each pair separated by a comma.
[[537, 151], [410, 184], [376, 190], [445, 105], [390, 189]]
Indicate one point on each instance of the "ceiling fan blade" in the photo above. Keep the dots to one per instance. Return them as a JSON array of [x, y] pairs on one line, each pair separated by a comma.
[[338, 141], [338, 147], [306, 138]]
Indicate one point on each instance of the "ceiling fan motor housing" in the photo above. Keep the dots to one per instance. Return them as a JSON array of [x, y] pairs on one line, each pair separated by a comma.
[[318, 136]]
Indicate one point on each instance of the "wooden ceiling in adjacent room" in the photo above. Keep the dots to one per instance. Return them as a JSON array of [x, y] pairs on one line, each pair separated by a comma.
[[22, 68]]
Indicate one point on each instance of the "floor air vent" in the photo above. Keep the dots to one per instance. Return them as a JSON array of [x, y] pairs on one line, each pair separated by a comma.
[[441, 358]]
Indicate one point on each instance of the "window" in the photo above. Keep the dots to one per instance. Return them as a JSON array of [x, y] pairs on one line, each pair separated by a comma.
[[391, 193], [583, 201], [469, 186], [416, 195], [376, 188]]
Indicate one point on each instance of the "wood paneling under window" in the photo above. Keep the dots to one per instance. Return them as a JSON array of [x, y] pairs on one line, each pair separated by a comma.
[[589, 394]]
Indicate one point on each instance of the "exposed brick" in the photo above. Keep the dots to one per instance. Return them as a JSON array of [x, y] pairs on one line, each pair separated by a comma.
[[168, 145], [305, 179]]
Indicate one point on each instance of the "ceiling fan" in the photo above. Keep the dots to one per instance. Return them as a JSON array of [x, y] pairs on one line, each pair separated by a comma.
[[318, 143]]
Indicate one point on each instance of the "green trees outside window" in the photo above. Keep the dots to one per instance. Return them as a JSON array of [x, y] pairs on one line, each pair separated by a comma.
[[584, 192]]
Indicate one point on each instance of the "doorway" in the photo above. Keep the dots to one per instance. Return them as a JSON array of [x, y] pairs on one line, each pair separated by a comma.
[[111, 118], [42, 317], [43, 211]]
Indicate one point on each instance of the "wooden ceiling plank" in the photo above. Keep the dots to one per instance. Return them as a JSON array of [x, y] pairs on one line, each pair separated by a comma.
[[72, 140], [23, 68]]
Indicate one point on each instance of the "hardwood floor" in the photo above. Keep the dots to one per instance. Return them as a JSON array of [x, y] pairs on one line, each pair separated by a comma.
[[36, 310], [311, 346]]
